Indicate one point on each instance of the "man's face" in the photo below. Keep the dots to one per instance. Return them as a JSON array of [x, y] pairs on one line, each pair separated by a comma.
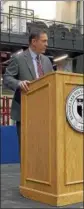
[[40, 44]]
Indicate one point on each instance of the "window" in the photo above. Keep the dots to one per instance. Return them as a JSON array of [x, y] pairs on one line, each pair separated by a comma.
[[40, 8]]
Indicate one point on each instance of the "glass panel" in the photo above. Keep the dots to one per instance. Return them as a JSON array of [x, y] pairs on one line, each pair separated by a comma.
[[40, 7]]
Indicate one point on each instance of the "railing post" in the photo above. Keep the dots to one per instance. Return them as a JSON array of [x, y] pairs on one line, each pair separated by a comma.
[[3, 110], [7, 111]]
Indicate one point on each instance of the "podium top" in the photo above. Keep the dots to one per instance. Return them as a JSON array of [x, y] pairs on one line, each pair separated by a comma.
[[57, 73], [66, 73], [72, 78]]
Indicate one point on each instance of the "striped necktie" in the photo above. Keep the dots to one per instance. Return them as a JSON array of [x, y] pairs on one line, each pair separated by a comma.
[[39, 66]]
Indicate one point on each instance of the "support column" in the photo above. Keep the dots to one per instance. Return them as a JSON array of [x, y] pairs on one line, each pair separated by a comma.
[[66, 11]]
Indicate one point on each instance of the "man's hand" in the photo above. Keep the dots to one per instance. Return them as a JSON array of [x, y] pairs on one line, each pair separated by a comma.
[[24, 85]]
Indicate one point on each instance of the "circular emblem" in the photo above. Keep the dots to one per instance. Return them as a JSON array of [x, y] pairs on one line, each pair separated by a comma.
[[75, 109]]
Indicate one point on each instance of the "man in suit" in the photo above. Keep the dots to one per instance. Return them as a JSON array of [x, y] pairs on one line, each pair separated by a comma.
[[25, 67]]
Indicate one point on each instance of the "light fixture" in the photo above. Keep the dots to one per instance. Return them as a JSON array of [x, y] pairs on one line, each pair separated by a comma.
[[60, 58], [17, 52]]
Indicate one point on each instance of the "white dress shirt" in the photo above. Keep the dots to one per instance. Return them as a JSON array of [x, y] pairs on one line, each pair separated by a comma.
[[34, 55]]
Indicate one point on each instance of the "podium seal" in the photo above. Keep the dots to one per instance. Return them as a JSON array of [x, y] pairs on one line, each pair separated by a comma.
[[75, 109]]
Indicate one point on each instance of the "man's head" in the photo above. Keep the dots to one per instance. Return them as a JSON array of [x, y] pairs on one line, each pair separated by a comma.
[[38, 41]]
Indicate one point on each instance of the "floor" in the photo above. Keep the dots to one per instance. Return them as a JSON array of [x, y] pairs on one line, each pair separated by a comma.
[[10, 196]]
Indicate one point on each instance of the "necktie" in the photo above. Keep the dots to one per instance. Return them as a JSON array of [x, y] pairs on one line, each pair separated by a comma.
[[39, 66]]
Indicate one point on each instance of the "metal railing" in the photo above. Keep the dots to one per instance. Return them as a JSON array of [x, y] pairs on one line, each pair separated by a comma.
[[17, 19], [5, 109], [5, 22]]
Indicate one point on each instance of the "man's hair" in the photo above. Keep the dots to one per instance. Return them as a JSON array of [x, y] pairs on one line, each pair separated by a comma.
[[36, 34]]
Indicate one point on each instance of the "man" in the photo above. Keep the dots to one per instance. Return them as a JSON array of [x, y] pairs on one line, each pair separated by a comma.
[[25, 67]]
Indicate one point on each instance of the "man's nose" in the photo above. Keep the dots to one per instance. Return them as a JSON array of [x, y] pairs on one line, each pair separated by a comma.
[[46, 43]]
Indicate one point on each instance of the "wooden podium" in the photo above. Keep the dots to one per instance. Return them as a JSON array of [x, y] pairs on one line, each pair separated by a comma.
[[51, 150]]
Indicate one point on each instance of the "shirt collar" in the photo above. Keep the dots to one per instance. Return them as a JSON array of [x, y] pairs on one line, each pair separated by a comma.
[[33, 54]]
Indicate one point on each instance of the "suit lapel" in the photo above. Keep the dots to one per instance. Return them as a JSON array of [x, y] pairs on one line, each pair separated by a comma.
[[29, 62]]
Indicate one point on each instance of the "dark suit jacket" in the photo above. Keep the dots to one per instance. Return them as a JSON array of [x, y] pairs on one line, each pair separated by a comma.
[[21, 68]]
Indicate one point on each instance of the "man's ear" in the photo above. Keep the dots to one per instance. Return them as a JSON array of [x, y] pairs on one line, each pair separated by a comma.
[[33, 41]]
